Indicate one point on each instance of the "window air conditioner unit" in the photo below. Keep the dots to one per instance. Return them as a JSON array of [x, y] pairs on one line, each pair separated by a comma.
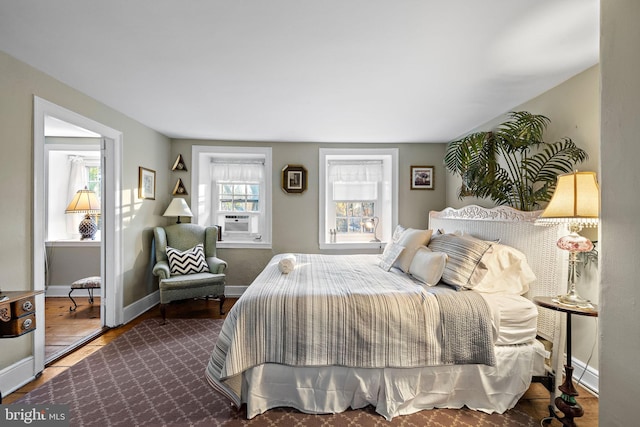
[[236, 223]]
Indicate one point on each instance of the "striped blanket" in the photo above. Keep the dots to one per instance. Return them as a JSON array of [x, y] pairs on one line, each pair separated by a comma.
[[346, 311]]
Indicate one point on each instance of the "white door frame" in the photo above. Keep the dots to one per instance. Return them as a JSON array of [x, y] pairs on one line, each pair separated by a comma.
[[111, 241]]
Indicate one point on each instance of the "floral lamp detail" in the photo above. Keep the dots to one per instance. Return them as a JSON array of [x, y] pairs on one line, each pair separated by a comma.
[[576, 203], [178, 207], [85, 201]]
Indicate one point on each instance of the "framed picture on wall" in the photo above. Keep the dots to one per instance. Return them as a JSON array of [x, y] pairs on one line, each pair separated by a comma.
[[422, 177], [146, 183], [294, 179]]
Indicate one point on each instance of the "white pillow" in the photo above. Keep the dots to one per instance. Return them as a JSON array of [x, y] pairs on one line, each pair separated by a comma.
[[397, 232], [507, 271], [411, 239], [391, 253], [427, 266]]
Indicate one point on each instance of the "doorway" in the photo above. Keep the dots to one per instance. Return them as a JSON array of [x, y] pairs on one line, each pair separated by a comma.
[[109, 147], [73, 234]]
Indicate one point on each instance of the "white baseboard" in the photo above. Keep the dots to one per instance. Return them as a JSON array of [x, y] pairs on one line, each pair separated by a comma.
[[63, 291], [137, 308], [134, 310], [590, 376], [234, 291], [15, 376], [145, 304]]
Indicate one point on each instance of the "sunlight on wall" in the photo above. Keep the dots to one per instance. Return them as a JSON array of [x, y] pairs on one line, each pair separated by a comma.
[[130, 205]]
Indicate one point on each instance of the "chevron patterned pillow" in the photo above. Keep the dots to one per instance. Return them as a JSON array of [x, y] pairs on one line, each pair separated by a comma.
[[187, 262]]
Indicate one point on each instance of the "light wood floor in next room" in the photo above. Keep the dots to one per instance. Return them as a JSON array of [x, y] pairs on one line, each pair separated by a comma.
[[535, 401], [65, 329]]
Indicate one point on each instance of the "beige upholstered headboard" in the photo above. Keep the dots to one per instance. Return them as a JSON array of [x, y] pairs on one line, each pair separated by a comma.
[[517, 229]]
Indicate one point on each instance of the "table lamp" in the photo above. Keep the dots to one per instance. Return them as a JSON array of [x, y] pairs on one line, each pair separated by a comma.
[[576, 203], [85, 201], [178, 207], [373, 224]]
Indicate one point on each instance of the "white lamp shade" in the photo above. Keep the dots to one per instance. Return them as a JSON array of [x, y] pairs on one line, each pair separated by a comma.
[[576, 200], [178, 207]]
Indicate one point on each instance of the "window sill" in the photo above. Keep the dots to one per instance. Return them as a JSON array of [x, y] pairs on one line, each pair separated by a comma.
[[71, 243], [226, 244], [352, 245]]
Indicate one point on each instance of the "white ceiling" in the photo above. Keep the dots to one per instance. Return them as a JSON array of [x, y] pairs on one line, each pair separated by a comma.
[[57, 127], [302, 70]]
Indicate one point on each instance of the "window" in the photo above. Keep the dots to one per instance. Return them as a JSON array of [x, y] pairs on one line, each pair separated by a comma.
[[94, 178], [238, 196], [233, 188], [358, 197], [353, 217]]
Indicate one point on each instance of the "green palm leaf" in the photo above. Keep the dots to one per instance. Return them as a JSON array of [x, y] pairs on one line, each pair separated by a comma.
[[512, 165]]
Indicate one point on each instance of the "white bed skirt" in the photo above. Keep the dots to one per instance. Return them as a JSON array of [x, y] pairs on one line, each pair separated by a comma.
[[395, 392]]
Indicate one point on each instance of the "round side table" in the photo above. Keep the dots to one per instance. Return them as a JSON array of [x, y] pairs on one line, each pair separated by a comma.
[[566, 402]]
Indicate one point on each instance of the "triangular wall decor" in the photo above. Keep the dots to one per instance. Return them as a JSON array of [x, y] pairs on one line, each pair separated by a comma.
[[179, 164], [179, 188]]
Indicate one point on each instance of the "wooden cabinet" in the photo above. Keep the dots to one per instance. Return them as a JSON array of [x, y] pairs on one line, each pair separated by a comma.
[[17, 313]]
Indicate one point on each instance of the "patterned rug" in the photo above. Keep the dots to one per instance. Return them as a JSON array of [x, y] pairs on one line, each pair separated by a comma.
[[153, 375]]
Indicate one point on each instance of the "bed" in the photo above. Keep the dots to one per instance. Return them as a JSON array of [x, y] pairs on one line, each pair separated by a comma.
[[335, 332]]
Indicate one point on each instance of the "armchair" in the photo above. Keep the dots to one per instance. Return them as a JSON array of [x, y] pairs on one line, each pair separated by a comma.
[[174, 287]]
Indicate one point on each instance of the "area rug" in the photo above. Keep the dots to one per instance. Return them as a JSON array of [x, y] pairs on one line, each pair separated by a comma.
[[153, 375]]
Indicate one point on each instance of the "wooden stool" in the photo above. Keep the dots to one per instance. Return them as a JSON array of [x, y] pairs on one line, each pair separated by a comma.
[[88, 283]]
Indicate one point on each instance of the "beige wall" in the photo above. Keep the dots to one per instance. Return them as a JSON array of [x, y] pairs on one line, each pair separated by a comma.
[[142, 147], [66, 264], [620, 241], [295, 217], [574, 110]]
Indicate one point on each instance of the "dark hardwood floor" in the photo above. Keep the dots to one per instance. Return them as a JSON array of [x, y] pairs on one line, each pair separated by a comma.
[[535, 401]]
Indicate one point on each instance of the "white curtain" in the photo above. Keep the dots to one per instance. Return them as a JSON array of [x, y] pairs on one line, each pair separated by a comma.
[[355, 180], [355, 172], [346, 191], [77, 181], [237, 171]]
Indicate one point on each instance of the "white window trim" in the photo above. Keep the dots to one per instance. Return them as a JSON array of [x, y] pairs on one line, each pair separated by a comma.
[[199, 190], [324, 152]]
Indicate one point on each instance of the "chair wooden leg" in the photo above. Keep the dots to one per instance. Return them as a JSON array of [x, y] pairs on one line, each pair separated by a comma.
[[221, 304], [163, 313]]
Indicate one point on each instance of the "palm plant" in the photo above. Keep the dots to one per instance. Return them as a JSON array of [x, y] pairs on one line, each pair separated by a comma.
[[512, 165]]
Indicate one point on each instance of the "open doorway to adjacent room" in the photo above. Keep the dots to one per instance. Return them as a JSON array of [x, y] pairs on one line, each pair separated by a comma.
[[73, 235], [105, 144]]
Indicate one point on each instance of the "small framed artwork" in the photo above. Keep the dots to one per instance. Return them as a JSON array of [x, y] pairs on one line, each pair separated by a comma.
[[422, 177], [146, 183], [294, 179]]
